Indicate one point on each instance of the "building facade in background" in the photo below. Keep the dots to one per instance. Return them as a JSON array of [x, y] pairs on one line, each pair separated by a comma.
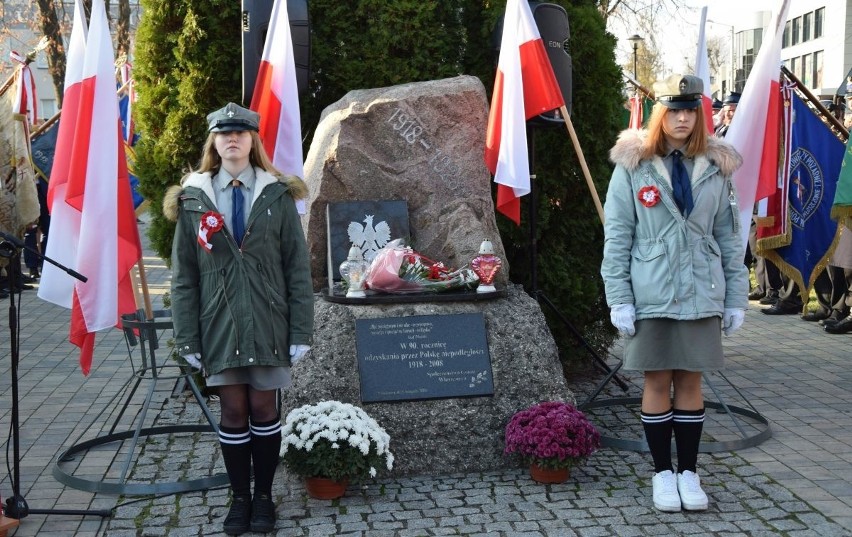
[[816, 45]]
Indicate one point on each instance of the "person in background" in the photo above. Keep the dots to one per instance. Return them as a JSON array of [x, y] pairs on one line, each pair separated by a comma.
[[36, 235], [839, 320], [242, 299], [674, 274], [729, 108], [717, 113]]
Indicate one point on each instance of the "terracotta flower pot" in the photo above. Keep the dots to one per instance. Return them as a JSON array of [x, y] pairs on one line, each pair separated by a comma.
[[323, 488], [547, 475]]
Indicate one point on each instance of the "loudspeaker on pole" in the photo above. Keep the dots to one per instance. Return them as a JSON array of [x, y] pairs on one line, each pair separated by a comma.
[[552, 23], [255, 23]]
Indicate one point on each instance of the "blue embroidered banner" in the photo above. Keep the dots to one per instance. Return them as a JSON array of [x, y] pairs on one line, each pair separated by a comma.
[[815, 158]]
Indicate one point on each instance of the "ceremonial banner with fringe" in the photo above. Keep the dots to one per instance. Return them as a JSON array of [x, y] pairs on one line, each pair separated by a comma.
[[812, 169], [44, 148]]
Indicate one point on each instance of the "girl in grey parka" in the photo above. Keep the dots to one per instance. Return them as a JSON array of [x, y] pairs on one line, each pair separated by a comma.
[[674, 274]]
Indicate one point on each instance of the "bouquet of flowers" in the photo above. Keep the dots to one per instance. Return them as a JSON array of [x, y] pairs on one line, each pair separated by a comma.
[[399, 269], [551, 435], [334, 440]]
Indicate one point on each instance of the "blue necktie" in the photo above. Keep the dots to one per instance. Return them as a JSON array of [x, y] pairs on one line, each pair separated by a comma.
[[238, 219], [681, 185]]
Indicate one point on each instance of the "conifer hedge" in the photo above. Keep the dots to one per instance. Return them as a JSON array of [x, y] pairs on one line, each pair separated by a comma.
[[187, 63]]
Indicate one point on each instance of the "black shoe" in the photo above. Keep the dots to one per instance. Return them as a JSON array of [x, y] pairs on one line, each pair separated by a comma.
[[34, 273], [3, 294], [834, 318], [262, 514], [815, 316], [757, 294], [239, 516], [770, 298], [24, 287], [844, 326], [781, 309]]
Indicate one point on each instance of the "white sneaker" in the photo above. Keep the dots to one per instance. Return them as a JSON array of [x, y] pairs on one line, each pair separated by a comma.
[[691, 495], [666, 497]]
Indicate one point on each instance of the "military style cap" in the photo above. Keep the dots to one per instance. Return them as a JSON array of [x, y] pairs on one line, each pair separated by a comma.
[[679, 91], [233, 117], [732, 98]]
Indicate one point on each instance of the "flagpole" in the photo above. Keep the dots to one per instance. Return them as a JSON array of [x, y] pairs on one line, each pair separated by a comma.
[[29, 58], [570, 126], [146, 296], [827, 116], [648, 93]]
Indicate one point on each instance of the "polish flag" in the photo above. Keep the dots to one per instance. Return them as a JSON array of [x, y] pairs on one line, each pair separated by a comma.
[[756, 128], [702, 71], [26, 99], [525, 87], [99, 190], [276, 97], [636, 111], [55, 285]]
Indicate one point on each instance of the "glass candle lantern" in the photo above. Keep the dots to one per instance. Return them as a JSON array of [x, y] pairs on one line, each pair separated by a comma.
[[486, 265], [353, 271]]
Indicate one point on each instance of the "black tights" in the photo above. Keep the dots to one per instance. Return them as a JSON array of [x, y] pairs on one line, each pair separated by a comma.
[[239, 401]]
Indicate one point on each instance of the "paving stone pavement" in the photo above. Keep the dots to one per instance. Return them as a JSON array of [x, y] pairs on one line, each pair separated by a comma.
[[797, 483]]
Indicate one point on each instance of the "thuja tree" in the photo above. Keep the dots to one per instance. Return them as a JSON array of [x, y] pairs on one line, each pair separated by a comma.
[[188, 62], [569, 232]]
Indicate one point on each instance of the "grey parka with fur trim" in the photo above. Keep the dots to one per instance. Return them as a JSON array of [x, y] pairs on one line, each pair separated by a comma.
[[666, 265]]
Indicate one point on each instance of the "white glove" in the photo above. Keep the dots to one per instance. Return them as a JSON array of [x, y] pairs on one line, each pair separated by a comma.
[[622, 317], [297, 352], [193, 359], [732, 320]]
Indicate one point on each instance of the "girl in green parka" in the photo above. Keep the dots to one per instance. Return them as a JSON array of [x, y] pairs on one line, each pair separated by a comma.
[[242, 300]]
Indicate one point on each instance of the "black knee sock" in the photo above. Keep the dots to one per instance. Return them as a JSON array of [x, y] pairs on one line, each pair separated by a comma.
[[236, 450], [687, 426], [265, 448], [658, 433]]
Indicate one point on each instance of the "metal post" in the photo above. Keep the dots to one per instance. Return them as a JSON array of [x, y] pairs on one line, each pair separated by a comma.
[[635, 39]]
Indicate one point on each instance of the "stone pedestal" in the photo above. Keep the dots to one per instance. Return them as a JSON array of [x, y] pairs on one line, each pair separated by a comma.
[[441, 436]]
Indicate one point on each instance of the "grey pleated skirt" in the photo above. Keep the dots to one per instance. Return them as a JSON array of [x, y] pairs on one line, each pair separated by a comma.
[[258, 377], [661, 344]]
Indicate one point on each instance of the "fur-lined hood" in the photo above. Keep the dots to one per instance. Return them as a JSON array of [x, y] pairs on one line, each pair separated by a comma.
[[297, 187], [627, 152]]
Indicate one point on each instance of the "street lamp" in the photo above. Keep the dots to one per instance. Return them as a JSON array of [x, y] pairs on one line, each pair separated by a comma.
[[635, 39]]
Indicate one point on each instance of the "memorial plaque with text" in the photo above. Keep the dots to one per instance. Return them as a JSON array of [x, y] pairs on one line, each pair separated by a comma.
[[423, 357]]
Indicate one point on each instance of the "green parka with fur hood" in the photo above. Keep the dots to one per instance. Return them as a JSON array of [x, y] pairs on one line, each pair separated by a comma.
[[666, 265], [240, 307]]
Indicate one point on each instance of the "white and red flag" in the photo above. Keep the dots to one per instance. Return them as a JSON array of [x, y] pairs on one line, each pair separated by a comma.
[[636, 103], [26, 99], [56, 286], [756, 128], [276, 97], [525, 87], [98, 189], [702, 71]]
